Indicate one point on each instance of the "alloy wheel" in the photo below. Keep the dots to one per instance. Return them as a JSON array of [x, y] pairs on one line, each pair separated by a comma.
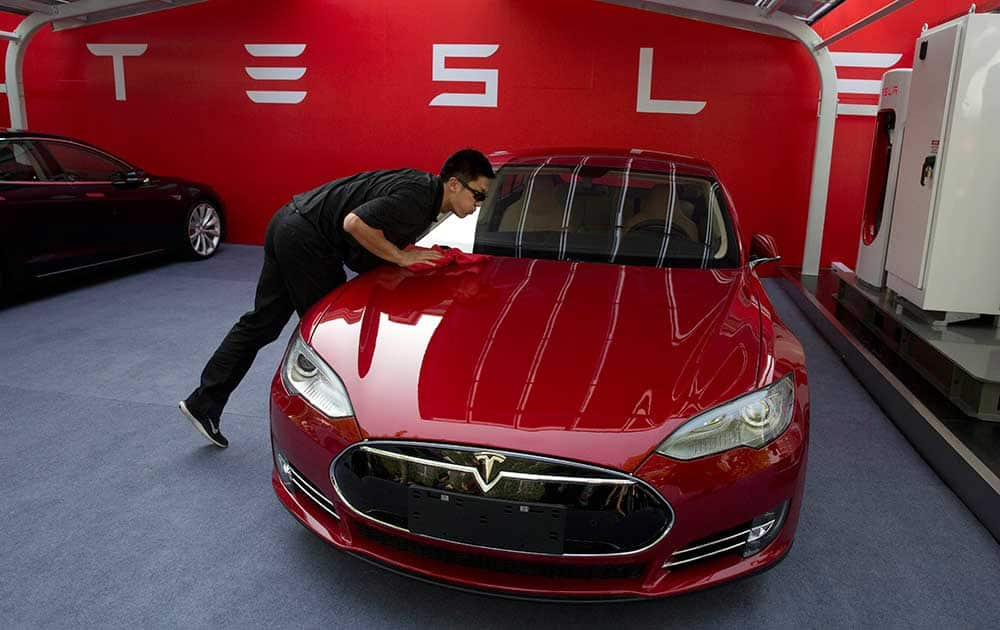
[[204, 229]]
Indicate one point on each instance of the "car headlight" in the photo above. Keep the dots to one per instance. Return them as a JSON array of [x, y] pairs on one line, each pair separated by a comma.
[[752, 420], [306, 375]]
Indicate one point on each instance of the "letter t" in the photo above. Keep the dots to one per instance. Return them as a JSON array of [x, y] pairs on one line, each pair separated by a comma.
[[118, 52]]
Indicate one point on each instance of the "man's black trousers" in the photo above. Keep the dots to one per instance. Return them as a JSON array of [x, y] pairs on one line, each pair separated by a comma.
[[300, 267]]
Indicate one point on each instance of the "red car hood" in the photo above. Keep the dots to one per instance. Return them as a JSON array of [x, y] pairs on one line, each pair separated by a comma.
[[591, 362]]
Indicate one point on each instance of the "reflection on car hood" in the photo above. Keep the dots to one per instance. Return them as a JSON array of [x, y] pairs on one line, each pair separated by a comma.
[[583, 361]]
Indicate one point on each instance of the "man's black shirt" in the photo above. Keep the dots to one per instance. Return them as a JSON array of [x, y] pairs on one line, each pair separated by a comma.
[[402, 203]]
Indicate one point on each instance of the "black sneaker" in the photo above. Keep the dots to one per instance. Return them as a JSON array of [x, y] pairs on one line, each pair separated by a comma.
[[206, 426]]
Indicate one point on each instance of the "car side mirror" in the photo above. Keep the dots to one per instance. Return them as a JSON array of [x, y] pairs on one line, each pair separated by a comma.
[[131, 178], [763, 249]]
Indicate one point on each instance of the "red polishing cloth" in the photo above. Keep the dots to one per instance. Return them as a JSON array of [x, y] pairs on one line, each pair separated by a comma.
[[449, 256]]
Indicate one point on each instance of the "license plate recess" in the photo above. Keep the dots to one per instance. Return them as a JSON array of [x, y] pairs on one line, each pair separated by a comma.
[[497, 523]]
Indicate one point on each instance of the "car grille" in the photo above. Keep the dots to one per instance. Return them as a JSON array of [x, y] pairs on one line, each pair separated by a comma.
[[505, 565], [501, 500], [729, 541]]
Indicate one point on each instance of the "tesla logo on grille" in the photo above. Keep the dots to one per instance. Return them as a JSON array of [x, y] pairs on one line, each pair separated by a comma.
[[484, 465]]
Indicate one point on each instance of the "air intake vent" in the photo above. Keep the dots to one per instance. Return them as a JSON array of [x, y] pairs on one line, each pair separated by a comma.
[[723, 542], [505, 565], [312, 492]]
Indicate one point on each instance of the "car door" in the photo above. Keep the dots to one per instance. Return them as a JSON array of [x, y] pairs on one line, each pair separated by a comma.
[[151, 210], [127, 211], [43, 227]]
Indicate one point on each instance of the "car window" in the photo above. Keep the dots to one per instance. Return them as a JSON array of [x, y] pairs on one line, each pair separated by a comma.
[[80, 164], [20, 161], [604, 214]]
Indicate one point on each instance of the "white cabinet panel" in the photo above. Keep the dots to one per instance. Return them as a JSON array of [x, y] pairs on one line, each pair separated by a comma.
[[929, 90]]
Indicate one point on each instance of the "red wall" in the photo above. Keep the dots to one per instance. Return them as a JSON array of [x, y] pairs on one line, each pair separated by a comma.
[[567, 76]]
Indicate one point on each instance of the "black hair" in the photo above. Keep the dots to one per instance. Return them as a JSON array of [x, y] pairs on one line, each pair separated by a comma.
[[467, 165]]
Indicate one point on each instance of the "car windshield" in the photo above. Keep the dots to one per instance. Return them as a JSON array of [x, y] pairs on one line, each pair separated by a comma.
[[611, 214]]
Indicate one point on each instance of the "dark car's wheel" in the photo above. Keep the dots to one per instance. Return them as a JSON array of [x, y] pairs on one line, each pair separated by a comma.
[[204, 229]]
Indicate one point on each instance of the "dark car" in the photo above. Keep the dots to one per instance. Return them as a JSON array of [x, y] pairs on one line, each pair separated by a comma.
[[66, 205]]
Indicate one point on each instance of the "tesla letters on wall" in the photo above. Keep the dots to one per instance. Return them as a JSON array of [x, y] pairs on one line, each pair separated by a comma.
[[489, 77]]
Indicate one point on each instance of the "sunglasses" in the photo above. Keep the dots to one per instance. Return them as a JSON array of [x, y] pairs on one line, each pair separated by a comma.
[[478, 195]]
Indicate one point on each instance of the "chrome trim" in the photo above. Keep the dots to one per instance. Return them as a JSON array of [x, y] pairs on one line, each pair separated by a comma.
[[302, 484], [60, 182], [668, 565], [39, 182], [103, 262], [501, 475], [714, 542], [88, 147], [454, 447]]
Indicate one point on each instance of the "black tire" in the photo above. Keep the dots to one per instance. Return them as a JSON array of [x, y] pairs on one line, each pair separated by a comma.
[[203, 230]]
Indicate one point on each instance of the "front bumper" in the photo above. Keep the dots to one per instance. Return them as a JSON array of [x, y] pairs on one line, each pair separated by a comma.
[[714, 500]]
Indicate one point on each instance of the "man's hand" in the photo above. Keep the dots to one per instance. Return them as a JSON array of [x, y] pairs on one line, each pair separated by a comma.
[[415, 255], [374, 241]]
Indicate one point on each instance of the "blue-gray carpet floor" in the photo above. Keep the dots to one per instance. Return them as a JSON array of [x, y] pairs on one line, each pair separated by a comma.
[[117, 514]]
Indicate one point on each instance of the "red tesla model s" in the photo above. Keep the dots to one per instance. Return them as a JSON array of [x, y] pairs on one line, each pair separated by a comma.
[[605, 406]]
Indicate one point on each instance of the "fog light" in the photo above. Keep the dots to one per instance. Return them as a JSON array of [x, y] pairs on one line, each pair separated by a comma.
[[764, 529], [284, 471]]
